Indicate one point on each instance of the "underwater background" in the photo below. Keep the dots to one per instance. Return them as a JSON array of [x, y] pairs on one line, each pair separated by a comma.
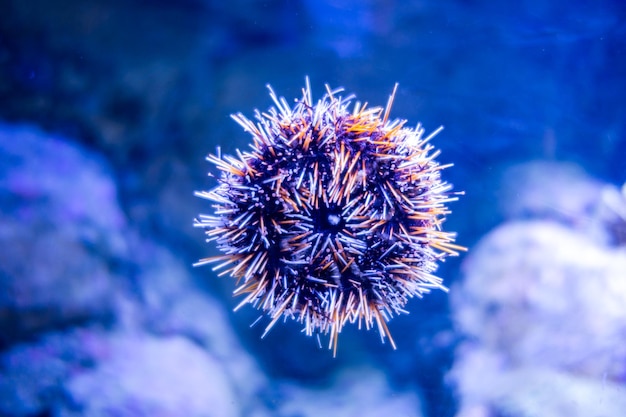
[[109, 108]]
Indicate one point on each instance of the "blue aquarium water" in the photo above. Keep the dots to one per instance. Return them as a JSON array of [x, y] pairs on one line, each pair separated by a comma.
[[336, 226]]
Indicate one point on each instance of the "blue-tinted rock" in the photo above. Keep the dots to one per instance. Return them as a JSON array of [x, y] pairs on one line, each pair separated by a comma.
[[542, 307], [32, 376], [188, 354], [139, 375], [89, 372], [551, 190], [60, 230], [531, 391], [611, 214], [564, 193], [70, 260], [363, 393], [172, 304]]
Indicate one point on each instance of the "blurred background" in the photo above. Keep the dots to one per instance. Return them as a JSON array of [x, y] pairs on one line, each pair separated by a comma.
[[108, 109]]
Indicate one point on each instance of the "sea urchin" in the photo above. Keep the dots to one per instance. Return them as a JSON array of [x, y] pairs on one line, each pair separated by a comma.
[[334, 215]]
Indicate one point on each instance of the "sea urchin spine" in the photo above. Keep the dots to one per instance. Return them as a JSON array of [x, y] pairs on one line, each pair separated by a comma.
[[334, 215]]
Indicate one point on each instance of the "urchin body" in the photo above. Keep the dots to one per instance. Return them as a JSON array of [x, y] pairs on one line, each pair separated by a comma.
[[334, 215]]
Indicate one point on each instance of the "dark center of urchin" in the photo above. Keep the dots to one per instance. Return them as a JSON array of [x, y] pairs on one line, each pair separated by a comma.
[[327, 219]]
